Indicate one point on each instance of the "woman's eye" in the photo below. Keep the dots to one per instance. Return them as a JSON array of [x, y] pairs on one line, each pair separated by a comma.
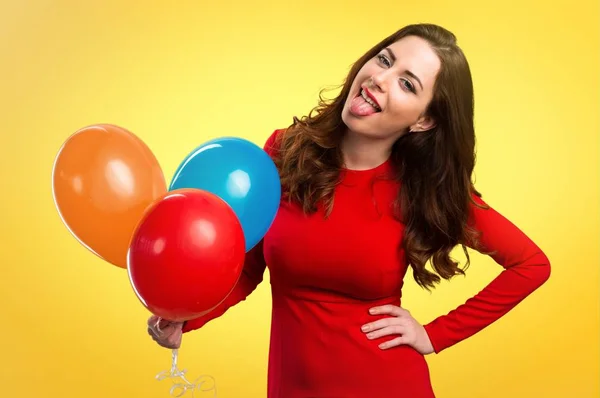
[[408, 85], [384, 60]]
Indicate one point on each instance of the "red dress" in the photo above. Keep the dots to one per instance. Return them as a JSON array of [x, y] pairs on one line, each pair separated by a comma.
[[326, 274]]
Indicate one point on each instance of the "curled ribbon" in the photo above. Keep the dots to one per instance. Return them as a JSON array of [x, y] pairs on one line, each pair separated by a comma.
[[181, 385]]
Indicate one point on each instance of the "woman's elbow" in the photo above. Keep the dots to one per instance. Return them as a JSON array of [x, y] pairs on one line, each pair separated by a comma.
[[543, 270]]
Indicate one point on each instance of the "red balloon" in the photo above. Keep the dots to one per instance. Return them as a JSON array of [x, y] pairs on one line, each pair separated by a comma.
[[186, 255]]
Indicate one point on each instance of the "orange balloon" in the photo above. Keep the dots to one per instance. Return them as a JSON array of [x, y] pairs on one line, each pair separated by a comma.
[[103, 180]]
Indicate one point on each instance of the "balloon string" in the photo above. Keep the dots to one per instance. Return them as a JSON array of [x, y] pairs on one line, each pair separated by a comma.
[[181, 384]]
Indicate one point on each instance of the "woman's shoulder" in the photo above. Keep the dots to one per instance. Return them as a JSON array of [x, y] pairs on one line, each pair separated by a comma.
[[272, 143]]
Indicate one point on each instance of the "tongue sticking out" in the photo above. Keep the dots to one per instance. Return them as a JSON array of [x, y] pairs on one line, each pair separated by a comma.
[[361, 107]]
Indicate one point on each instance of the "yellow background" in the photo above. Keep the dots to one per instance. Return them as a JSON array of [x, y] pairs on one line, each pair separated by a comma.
[[181, 74]]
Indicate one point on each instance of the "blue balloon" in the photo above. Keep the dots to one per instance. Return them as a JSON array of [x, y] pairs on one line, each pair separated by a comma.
[[242, 174]]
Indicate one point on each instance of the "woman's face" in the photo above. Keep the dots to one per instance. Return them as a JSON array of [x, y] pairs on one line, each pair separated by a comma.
[[392, 91]]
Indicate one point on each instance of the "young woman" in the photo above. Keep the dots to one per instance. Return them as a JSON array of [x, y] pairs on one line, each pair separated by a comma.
[[375, 181]]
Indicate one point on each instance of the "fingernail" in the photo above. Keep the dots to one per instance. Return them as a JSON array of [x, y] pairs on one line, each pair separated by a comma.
[[372, 310], [365, 328]]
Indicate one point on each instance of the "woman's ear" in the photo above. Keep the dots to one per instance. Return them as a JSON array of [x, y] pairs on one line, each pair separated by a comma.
[[423, 124]]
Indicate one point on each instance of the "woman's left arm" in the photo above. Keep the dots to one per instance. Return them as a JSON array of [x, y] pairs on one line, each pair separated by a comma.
[[526, 268]]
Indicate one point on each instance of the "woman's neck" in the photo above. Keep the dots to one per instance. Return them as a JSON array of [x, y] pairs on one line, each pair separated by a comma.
[[361, 152]]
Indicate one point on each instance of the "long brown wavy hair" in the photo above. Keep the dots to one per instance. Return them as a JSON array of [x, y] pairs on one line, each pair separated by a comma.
[[434, 167]]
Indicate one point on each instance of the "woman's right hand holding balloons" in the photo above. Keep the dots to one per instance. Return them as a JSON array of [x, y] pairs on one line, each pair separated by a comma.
[[166, 333]]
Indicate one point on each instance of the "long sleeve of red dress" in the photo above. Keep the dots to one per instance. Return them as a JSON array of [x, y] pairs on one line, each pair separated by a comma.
[[251, 277], [252, 273], [526, 267]]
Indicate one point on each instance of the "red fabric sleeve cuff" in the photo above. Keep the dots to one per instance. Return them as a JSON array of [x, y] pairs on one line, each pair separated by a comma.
[[437, 337]]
